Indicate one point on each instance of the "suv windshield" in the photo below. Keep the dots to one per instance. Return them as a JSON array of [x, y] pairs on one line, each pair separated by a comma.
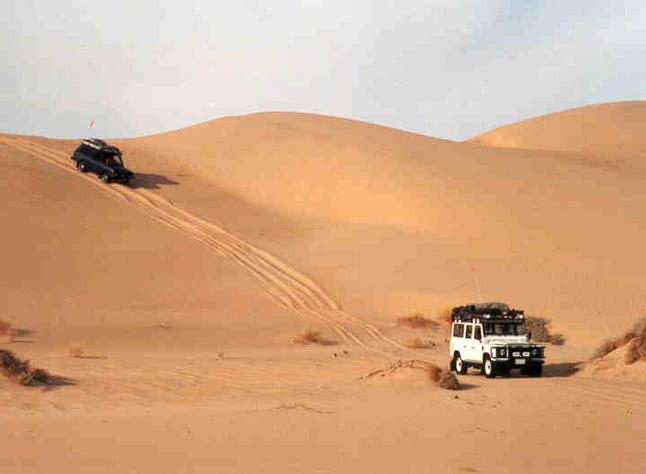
[[505, 329]]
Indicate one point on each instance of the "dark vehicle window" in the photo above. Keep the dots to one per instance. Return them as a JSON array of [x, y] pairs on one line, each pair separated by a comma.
[[112, 160], [458, 330], [469, 330], [478, 333], [505, 329], [86, 150]]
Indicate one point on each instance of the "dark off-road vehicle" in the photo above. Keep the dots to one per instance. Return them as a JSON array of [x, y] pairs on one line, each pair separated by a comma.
[[102, 159]]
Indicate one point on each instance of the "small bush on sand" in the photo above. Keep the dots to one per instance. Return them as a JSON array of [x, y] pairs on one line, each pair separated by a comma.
[[418, 343], [4, 327], [444, 315], [75, 350], [416, 321], [308, 337], [540, 329], [442, 377], [20, 370], [636, 336]]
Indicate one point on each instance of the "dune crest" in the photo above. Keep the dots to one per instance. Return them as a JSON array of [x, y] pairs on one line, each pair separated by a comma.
[[610, 129]]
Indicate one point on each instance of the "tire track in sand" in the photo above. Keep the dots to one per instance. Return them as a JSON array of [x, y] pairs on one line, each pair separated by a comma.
[[283, 284]]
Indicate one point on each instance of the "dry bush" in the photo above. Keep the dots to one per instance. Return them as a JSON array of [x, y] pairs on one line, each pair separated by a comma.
[[418, 343], [13, 333], [416, 321], [75, 350], [637, 348], [540, 329], [636, 336], [444, 315], [4, 327], [21, 371], [309, 337], [442, 377]]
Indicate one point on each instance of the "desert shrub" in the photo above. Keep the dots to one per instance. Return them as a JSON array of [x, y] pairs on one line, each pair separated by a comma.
[[75, 350], [20, 370], [442, 377], [4, 327], [444, 315], [416, 321], [540, 329], [419, 343], [308, 337], [637, 348], [636, 336]]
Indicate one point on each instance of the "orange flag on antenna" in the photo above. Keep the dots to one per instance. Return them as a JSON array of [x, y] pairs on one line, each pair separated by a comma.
[[92, 123]]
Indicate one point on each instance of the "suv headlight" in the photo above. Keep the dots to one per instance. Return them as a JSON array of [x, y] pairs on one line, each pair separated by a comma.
[[498, 351]]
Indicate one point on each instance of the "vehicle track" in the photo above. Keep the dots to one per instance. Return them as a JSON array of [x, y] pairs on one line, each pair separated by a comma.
[[603, 391], [283, 284]]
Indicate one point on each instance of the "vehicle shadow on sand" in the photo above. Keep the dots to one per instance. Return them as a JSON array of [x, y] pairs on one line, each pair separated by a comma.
[[562, 369], [151, 181]]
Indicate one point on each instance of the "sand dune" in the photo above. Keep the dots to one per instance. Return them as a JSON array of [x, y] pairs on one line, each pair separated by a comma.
[[400, 218], [609, 130], [186, 290]]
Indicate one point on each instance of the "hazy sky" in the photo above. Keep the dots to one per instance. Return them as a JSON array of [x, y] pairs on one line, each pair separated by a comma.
[[445, 68]]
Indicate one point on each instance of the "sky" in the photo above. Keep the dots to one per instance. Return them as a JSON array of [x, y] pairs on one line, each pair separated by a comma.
[[445, 68]]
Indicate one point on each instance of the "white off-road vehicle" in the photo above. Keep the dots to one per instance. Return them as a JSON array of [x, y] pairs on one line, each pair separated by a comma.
[[494, 339]]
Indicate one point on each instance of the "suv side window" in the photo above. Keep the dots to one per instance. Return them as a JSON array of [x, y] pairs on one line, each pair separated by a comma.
[[469, 331], [87, 151], [478, 333], [458, 330]]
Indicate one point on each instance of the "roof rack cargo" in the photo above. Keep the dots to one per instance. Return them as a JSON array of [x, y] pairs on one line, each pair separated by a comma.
[[486, 311], [99, 144]]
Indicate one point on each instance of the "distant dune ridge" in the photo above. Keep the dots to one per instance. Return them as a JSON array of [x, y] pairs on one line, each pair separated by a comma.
[[600, 129]]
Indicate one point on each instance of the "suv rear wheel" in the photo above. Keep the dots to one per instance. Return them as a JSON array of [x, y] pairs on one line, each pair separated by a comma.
[[460, 366], [81, 166]]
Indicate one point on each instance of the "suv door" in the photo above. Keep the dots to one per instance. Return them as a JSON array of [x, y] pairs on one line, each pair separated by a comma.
[[457, 340], [469, 346], [477, 349]]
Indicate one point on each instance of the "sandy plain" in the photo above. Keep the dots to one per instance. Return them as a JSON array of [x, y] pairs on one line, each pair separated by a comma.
[[185, 290]]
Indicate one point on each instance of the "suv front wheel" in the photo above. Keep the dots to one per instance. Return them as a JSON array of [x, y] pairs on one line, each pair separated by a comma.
[[488, 368], [105, 178], [81, 166]]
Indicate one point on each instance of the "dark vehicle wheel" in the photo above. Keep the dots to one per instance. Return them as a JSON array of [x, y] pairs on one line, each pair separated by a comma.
[[81, 166], [488, 368], [460, 366], [105, 178], [452, 365]]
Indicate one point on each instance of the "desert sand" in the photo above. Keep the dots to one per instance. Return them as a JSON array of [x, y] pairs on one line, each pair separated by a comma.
[[185, 290]]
